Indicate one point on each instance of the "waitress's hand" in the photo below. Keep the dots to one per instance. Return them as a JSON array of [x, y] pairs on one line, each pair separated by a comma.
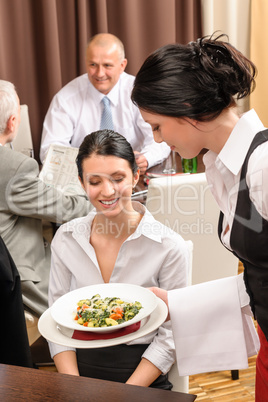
[[141, 161], [162, 294]]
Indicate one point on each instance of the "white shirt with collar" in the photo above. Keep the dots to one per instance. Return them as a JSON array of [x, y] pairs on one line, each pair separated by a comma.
[[153, 255], [218, 331], [76, 109], [223, 170]]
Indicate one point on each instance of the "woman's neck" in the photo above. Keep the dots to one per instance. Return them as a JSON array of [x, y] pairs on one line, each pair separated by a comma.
[[121, 226], [218, 131]]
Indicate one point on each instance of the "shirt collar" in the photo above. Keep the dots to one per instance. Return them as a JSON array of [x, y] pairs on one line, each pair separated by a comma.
[[113, 95], [148, 226], [80, 227], [236, 147]]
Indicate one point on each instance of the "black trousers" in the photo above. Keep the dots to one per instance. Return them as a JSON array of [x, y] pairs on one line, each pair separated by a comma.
[[115, 363]]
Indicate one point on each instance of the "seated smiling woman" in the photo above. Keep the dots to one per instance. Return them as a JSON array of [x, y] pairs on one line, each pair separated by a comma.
[[138, 250]]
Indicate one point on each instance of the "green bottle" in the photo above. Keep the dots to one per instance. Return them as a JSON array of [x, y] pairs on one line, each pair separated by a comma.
[[189, 165]]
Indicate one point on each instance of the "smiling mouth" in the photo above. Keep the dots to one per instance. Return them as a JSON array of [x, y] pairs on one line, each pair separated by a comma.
[[111, 202]]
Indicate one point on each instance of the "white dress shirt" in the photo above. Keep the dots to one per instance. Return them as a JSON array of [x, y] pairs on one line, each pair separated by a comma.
[[223, 171], [218, 331], [153, 255], [76, 109]]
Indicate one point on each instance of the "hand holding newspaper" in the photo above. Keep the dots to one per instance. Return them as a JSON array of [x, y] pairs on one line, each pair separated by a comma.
[[60, 170]]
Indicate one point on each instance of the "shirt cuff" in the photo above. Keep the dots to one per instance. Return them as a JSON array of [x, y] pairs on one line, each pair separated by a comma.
[[55, 349], [163, 360]]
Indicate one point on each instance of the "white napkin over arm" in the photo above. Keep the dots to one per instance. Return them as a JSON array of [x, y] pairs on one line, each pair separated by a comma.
[[212, 326]]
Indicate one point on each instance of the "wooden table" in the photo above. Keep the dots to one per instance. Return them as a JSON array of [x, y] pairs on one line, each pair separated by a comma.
[[24, 384]]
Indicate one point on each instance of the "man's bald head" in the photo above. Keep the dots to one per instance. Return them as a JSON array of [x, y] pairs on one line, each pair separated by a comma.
[[108, 40]]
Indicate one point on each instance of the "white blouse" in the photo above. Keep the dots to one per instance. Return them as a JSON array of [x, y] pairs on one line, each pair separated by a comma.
[[223, 171], [153, 255], [218, 331]]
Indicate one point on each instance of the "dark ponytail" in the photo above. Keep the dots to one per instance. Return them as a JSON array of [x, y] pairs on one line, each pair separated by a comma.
[[197, 80]]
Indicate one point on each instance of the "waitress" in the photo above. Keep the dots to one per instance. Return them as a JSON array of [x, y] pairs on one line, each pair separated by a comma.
[[187, 93]]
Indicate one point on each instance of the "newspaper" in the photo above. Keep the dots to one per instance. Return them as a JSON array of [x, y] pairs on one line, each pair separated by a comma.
[[59, 170]]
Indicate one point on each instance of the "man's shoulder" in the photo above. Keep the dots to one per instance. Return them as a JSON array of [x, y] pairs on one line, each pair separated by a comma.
[[125, 85], [9, 154], [75, 86], [127, 79], [13, 159]]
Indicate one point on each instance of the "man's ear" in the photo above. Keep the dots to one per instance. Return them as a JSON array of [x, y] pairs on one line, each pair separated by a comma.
[[123, 65], [11, 123]]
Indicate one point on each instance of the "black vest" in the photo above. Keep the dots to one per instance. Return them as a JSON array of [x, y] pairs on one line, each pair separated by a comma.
[[249, 242]]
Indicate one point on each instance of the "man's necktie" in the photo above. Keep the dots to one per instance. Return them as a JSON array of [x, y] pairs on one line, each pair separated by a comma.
[[106, 117]]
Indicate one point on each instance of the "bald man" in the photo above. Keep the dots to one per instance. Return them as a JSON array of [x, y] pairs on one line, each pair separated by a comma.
[[76, 110]]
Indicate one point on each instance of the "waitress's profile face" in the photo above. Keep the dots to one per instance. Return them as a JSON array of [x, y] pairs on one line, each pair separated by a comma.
[[108, 182], [180, 134]]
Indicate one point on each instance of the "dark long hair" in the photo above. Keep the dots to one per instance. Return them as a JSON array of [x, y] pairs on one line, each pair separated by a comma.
[[106, 143], [197, 80]]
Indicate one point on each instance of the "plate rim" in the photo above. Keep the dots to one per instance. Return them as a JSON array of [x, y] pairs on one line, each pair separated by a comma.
[[48, 329], [73, 325]]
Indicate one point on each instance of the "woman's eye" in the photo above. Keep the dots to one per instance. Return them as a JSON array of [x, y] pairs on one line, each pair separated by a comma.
[[93, 183], [118, 180], [156, 128]]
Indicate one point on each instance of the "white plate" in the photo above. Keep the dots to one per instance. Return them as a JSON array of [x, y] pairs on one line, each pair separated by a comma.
[[64, 309], [50, 330]]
